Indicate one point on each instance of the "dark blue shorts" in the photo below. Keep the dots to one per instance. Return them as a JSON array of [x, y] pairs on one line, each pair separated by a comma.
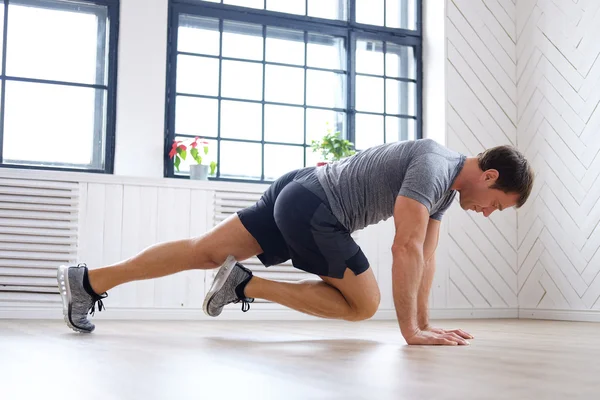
[[293, 220]]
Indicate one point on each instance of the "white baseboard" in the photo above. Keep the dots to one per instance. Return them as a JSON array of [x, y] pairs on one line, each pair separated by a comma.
[[256, 314], [474, 313], [560, 315]]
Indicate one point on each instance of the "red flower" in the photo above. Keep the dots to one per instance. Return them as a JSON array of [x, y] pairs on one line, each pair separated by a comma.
[[194, 145], [172, 152], [182, 147]]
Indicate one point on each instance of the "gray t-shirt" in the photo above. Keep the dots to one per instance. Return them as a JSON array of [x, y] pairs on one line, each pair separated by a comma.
[[362, 189]]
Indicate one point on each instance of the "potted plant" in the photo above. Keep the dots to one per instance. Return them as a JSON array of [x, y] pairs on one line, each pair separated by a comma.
[[332, 147], [200, 170]]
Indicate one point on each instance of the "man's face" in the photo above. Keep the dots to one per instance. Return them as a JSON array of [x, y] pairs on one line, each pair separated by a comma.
[[481, 198]]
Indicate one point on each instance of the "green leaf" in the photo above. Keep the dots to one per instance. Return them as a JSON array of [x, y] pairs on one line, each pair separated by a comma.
[[177, 162], [213, 167], [194, 154], [182, 153], [205, 150]]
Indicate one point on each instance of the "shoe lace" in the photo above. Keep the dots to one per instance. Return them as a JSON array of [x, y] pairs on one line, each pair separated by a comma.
[[245, 304], [100, 307], [97, 300]]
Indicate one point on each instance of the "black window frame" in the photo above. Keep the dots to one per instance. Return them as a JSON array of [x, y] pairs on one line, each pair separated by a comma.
[[110, 86], [350, 30]]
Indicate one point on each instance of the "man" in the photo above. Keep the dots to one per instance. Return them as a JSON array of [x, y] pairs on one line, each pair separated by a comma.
[[308, 216]]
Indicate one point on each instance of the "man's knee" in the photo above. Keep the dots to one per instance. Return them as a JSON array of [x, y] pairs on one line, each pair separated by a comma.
[[366, 309], [205, 256]]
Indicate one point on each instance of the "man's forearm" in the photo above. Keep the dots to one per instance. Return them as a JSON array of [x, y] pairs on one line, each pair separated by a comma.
[[424, 291], [407, 272]]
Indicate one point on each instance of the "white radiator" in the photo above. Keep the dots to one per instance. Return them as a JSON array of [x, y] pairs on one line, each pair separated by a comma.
[[226, 204], [38, 232]]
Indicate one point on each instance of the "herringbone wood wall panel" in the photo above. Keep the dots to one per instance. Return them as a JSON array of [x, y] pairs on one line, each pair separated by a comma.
[[558, 93], [527, 73], [481, 78]]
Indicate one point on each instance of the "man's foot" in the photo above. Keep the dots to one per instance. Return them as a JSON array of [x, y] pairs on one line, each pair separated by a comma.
[[78, 298], [228, 287]]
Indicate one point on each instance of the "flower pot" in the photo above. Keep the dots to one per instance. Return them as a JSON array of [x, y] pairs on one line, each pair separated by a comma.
[[199, 172]]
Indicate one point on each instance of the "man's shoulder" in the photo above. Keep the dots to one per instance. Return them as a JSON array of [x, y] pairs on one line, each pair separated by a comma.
[[430, 146]]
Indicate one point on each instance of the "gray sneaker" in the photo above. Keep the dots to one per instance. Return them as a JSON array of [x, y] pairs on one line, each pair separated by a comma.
[[228, 287], [78, 299]]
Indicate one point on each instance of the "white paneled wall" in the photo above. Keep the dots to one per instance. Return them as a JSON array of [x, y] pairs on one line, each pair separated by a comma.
[[481, 110], [559, 129], [120, 220], [118, 217]]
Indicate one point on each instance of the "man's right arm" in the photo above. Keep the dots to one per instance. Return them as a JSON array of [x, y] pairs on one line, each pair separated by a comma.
[[411, 219]]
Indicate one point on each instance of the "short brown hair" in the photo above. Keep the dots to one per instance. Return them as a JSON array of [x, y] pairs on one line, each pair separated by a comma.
[[515, 172]]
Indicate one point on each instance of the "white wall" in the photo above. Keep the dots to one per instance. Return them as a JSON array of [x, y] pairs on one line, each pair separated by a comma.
[[559, 121], [141, 88]]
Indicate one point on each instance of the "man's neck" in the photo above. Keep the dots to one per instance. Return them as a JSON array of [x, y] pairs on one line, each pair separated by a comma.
[[469, 171]]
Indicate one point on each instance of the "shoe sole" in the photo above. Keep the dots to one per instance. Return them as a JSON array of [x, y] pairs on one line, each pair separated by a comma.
[[62, 277], [218, 283]]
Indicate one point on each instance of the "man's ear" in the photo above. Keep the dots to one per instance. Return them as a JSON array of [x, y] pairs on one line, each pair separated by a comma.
[[491, 176]]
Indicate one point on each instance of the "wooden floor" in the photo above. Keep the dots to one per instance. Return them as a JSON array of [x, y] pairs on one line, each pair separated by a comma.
[[224, 360]]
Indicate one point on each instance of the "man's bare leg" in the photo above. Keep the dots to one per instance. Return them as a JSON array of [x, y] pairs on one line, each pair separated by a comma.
[[205, 252], [352, 298]]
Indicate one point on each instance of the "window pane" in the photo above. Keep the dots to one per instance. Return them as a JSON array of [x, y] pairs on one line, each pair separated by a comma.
[[241, 160], [196, 116], [325, 89], [369, 94], [284, 124], [242, 41], [370, 12], [400, 61], [184, 166], [246, 3], [369, 131], [326, 52], [330, 9], [59, 45], [198, 35], [312, 157], [1, 27], [369, 57], [400, 14], [284, 84], [197, 75], [242, 80], [400, 97], [53, 124], [399, 129], [284, 46], [282, 159], [319, 122], [287, 6], [241, 120]]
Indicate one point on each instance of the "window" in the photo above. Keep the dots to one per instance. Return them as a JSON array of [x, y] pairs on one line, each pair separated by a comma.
[[58, 84], [259, 80]]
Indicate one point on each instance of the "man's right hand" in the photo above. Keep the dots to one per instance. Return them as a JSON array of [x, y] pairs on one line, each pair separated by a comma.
[[431, 338]]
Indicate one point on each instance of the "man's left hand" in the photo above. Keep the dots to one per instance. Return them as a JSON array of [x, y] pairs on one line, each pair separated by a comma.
[[458, 332]]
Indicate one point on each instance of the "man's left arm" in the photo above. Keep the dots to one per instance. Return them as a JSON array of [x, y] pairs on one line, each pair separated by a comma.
[[429, 248]]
